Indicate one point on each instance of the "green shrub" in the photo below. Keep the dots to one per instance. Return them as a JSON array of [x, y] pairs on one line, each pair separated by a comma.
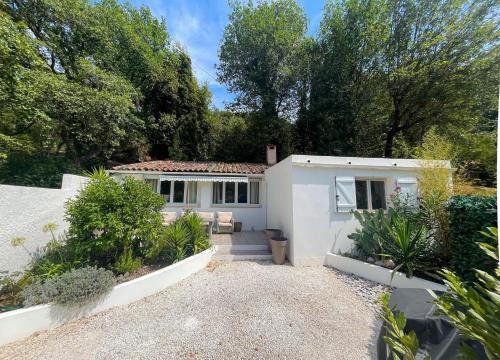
[[26, 169], [171, 245], [74, 287], [127, 263], [468, 215], [368, 238], [109, 217], [198, 238], [407, 245]]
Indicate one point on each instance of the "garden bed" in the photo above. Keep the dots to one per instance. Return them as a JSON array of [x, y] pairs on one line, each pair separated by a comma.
[[379, 274], [18, 324]]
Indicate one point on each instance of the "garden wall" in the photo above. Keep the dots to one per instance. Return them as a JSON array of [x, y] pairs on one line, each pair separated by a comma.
[[23, 212], [18, 324], [379, 274]]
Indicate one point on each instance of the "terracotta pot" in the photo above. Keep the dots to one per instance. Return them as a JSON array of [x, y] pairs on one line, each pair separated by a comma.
[[278, 248], [270, 233]]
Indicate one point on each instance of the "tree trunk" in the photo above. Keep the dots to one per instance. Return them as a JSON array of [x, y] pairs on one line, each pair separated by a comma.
[[394, 128]]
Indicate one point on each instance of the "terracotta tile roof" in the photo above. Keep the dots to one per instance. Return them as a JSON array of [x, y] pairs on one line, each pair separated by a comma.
[[195, 166]]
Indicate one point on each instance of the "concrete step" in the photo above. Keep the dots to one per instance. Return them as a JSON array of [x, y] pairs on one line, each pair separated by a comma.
[[225, 249], [240, 255]]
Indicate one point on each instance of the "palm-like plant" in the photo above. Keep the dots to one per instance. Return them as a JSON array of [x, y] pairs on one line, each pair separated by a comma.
[[406, 244], [198, 239]]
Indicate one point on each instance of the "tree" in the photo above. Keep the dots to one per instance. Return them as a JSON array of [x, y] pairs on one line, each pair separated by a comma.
[[400, 67], [258, 61]]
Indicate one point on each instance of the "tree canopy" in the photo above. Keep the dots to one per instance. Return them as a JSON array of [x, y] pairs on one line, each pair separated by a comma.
[[86, 83]]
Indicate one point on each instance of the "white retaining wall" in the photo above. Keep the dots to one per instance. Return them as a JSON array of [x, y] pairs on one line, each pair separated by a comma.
[[18, 324], [25, 210], [379, 274]]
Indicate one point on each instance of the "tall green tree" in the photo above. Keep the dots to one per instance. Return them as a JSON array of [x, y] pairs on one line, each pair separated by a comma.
[[417, 63], [258, 61]]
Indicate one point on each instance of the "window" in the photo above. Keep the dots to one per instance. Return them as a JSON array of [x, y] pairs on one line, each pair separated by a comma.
[[370, 194], [153, 183], [236, 193], [165, 188], [254, 192], [230, 192], [179, 192], [217, 190], [192, 190], [242, 193]]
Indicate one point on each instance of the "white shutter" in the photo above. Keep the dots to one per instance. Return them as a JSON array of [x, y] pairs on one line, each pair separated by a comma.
[[345, 193], [409, 189]]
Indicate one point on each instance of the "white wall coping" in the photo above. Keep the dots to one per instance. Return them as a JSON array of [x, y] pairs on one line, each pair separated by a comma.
[[18, 324], [379, 274], [369, 163]]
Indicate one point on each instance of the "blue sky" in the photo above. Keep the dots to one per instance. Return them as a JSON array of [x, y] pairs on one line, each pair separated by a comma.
[[198, 25]]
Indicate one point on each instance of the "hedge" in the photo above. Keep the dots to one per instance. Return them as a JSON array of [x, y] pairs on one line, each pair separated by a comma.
[[468, 215]]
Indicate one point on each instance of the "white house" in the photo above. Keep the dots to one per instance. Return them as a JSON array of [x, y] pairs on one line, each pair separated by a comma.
[[309, 198]]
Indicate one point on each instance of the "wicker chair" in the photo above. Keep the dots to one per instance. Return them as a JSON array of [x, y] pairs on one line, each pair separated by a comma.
[[225, 222], [208, 219], [168, 217]]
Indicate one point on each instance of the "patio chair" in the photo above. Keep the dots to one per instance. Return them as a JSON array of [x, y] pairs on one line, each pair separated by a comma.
[[208, 219], [168, 217], [225, 222]]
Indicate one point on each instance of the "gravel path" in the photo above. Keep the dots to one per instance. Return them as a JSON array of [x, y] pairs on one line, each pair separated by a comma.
[[238, 310]]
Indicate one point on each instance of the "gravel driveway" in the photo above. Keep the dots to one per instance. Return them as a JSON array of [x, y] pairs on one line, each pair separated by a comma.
[[239, 310]]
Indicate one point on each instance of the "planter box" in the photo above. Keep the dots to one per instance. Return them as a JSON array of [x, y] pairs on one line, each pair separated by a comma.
[[18, 324], [379, 274]]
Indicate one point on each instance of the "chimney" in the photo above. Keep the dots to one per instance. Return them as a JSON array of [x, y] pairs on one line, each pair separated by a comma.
[[271, 155]]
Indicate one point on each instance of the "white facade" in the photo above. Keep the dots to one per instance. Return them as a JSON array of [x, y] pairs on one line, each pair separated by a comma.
[[252, 216], [308, 205]]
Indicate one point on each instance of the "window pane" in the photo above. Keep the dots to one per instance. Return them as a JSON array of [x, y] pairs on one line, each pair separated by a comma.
[[192, 190], [217, 193], [254, 192], [378, 194], [165, 190], [242, 193], [230, 192], [361, 195], [178, 191], [152, 183]]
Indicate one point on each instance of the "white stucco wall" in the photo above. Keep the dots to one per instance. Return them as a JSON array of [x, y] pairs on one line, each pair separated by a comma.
[[317, 226], [252, 217], [23, 212], [280, 202]]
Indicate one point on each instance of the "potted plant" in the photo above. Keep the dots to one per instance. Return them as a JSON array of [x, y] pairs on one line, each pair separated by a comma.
[[278, 248]]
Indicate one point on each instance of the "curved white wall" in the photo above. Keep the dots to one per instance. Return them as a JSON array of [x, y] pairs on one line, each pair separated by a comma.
[[23, 212]]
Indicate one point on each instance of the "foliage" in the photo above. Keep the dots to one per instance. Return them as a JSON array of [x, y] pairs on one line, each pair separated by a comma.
[[21, 168], [198, 239], [183, 238], [127, 263], [107, 218], [70, 288], [468, 215], [403, 345], [171, 245], [406, 245], [10, 290], [473, 309], [369, 238]]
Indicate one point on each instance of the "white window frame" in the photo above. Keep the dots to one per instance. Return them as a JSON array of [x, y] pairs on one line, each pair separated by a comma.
[[185, 195], [369, 191], [236, 203]]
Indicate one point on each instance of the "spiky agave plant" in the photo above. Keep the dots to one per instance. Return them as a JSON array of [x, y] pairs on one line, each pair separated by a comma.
[[407, 245]]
